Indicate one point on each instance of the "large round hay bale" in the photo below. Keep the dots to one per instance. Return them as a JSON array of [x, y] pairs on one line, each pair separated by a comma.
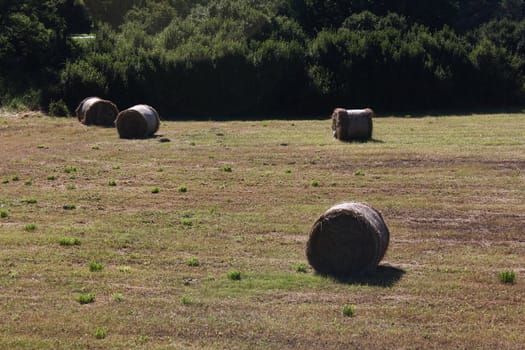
[[137, 122], [352, 124], [96, 111], [349, 239]]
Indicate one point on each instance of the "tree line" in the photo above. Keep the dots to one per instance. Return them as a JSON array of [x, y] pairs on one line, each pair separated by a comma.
[[279, 57]]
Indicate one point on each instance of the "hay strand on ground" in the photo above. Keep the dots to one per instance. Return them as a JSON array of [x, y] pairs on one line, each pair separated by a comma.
[[137, 122], [349, 239], [96, 111], [352, 124]]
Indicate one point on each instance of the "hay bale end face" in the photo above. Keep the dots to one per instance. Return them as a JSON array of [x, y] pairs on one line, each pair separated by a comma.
[[96, 111], [352, 124], [349, 239], [138, 122]]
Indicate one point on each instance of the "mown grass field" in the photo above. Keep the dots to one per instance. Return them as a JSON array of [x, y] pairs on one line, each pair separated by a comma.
[[150, 230]]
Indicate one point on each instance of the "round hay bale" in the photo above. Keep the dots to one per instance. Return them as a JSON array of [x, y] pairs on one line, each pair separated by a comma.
[[96, 111], [352, 124], [349, 239], [137, 122]]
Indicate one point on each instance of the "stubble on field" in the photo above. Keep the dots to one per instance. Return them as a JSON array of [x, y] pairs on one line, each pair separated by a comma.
[[451, 190]]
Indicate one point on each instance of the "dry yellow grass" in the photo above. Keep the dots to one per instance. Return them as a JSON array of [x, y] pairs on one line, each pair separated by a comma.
[[451, 190]]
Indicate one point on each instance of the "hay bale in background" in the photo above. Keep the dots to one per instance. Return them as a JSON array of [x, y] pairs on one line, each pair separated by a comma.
[[352, 124], [349, 239], [96, 111], [137, 122]]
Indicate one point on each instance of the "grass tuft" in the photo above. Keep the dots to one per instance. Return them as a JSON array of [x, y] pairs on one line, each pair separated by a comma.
[[101, 332], [186, 222], [226, 168], [95, 266], [86, 298], [68, 241], [302, 267], [507, 277], [118, 297], [30, 227], [186, 300], [349, 310], [70, 169], [193, 262], [234, 275], [29, 200]]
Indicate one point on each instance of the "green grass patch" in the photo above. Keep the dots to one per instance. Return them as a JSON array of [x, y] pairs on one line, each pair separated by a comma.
[[69, 241], [188, 222], [86, 298], [95, 266], [118, 297], [29, 200], [302, 267], [101, 332], [349, 310], [234, 275], [226, 168], [70, 169], [193, 262], [187, 300], [30, 227], [507, 277]]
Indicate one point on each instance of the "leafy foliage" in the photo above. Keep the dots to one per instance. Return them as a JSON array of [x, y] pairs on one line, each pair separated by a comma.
[[226, 57]]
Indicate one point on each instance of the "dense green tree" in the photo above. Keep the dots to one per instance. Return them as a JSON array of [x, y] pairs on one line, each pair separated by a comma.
[[33, 45], [222, 57]]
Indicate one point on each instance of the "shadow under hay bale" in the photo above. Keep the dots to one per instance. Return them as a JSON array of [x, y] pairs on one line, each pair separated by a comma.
[[138, 122], [384, 276], [96, 111], [352, 124], [349, 239]]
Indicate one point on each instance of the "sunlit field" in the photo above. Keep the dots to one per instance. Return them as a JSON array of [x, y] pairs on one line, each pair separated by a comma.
[[195, 239]]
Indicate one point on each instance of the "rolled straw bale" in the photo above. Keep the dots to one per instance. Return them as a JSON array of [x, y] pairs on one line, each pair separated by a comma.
[[352, 124], [348, 239], [96, 111], [140, 121]]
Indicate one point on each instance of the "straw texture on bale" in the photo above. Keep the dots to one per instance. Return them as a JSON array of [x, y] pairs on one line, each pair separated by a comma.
[[96, 111], [349, 239], [352, 124], [137, 122]]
